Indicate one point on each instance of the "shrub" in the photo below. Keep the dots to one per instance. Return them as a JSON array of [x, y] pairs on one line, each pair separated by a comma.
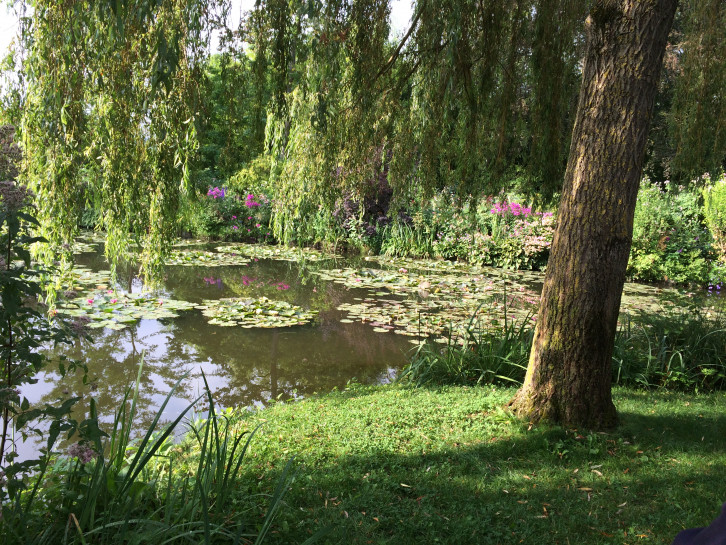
[[521, 237], [225, 213], [670, 241], [714, 210]]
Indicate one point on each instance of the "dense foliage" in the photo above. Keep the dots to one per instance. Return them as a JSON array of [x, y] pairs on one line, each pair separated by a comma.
[[671, 243], [118, 135], [471, 99]]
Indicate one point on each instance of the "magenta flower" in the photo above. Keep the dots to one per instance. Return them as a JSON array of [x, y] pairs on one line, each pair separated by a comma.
[[216, 192], [250, 201]]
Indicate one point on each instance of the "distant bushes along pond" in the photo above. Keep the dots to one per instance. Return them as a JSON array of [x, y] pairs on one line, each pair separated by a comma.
[[679, 232]]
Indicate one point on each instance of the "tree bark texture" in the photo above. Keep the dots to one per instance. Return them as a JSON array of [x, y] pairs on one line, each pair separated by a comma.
[[569, 376]]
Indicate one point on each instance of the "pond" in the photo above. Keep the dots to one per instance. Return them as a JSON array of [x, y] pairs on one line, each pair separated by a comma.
[[228, 313]]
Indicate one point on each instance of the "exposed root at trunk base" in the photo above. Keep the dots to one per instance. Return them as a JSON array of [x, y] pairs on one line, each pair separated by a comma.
[[553, 409]]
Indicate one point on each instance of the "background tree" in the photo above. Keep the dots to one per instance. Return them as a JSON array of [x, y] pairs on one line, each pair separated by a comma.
[[108, 115]]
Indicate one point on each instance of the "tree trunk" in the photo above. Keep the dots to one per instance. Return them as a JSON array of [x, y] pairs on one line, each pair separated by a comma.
[[569, 376]]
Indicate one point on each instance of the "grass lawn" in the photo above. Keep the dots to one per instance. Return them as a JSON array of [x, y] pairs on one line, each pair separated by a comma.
[[398, 465]]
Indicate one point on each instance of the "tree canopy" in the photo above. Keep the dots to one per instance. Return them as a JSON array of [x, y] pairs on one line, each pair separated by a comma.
[[112, 100]]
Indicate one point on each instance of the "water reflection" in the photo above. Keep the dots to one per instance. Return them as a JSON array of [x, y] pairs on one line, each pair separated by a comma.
[[244, 367]]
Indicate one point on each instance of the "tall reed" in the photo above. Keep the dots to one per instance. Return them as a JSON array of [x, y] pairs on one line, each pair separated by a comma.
[[117, 489], [483, 354]]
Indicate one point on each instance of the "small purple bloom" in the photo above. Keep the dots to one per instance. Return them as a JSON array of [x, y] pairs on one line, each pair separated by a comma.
[[83, 452]]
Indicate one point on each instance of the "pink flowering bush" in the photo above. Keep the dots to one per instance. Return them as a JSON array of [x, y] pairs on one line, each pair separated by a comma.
[[501, 234], [227, 213], [523, 237]]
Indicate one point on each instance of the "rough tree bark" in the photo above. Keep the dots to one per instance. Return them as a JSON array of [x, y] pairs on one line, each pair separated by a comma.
[[568, 380]]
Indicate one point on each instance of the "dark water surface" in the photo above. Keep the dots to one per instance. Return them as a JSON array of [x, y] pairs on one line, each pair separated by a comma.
[[243, 367]]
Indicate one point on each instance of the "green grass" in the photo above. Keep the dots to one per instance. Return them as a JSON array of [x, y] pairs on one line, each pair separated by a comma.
[[401, 465]]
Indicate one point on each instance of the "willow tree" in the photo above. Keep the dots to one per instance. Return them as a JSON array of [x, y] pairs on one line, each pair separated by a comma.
[[569, 375], [472, 96], [107, 115], [478, 93]]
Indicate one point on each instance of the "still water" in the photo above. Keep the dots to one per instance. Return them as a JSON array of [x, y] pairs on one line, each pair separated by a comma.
[[243, 367], [351, 338]]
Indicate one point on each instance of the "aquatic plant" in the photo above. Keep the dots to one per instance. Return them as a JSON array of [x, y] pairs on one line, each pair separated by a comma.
[[117, 310], [251, 313]]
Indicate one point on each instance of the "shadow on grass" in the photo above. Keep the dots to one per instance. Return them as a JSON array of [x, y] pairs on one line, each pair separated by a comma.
[[642, 483]]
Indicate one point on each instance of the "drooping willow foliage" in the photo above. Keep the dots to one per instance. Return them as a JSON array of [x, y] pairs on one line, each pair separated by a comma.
[[698, 116], [108, 115], [476, 96]]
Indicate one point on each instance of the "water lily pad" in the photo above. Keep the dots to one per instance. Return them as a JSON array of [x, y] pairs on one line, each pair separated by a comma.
[[79, 247], [260, 312], [205, 258], [280, 252], [108, 309]]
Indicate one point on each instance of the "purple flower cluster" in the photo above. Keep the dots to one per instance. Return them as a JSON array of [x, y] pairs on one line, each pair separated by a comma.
[[216, 192], [714, 289], [83, 452]]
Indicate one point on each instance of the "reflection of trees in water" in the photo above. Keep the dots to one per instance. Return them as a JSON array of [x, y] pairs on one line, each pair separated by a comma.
[[254, 365], [113, 360], [244, 366], [279, 280]]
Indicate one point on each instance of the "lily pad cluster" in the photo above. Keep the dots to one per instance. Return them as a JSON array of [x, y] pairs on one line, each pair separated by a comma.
[[204, 258], [440, 286], [81, 279], [432, 265], [80, 247], [404, 317], [105, 308], [429, 318], [280, 253], [188, 242], [251, 313], [93, 237]]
